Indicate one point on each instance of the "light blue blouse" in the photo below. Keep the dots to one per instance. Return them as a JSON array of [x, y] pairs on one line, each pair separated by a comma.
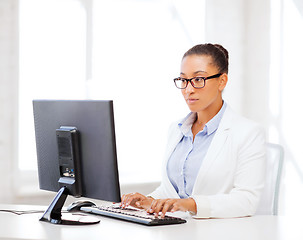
[[185, 162]]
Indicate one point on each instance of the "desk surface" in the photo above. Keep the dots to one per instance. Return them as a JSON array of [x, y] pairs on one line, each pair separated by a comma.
[[28, 226]]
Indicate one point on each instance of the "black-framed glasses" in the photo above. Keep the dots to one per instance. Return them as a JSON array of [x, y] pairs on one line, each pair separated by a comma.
[[196, 82]]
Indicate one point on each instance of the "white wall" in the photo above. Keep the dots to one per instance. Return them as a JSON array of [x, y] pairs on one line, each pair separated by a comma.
[[8, 95], [243, 28]]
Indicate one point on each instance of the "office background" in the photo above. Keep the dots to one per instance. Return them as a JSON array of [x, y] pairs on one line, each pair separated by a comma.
[[129, 51]]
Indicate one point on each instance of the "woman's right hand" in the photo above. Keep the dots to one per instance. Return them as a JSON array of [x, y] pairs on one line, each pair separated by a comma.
[[136, 200]]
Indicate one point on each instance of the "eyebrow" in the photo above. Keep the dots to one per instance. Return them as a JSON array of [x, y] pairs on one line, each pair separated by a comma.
[[194, 72]]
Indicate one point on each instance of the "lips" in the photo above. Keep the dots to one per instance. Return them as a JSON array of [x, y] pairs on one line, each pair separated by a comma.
[[192, 100]]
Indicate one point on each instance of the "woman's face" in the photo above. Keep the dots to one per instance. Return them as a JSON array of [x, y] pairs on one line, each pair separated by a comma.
[[203, 99]]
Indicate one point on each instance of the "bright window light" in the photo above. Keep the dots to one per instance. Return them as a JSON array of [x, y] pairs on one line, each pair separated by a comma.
[[136, 49], [52, 62], [292, 79]]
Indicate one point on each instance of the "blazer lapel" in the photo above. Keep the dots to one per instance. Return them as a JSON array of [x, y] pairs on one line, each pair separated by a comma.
[[216, 145]]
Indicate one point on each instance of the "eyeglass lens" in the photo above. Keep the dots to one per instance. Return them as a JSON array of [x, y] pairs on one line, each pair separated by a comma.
[[196, 82]]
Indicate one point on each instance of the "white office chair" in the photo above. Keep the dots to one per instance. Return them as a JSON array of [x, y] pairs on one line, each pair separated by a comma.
[[270, 197]]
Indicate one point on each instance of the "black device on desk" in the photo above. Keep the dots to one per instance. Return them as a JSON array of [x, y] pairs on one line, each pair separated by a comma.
[[76, 153]]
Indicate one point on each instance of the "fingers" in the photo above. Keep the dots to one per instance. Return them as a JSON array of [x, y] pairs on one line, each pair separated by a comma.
[[131, 199], [126, 199], [172, 205], [168, 206], [145, 203], [156, 206], [162, 205]]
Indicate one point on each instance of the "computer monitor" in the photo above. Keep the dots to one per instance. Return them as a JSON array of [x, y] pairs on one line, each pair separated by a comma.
[[76, 151]]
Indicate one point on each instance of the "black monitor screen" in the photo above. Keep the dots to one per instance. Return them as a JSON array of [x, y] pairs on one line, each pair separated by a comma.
[[94, 122]]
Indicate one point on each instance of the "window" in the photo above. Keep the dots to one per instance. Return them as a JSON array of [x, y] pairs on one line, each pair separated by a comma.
[[128, 51], [285, 90], [52, 62]]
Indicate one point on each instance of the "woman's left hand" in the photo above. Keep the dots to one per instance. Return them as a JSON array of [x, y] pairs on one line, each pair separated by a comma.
[[170, 205]]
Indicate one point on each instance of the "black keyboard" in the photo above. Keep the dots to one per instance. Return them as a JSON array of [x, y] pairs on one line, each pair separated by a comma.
[[132, 215]]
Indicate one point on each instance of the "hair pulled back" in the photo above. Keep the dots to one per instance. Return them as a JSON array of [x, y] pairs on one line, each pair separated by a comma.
[[218, 53]]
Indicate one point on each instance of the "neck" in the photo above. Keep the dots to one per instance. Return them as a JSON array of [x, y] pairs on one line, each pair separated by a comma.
[[204, 116]]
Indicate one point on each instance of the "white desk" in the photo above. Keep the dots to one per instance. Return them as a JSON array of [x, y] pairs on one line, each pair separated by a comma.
[[258, 228]]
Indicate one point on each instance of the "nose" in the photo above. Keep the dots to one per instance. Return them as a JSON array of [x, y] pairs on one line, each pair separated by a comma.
[[189, 88]]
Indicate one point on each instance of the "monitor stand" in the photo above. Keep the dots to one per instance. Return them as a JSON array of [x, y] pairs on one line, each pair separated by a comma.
[[53, 213]]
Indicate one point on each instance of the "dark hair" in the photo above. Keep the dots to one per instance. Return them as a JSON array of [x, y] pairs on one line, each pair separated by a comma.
[[218, 53]]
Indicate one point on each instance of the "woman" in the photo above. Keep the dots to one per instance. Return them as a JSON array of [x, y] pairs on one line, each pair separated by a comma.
[[215, 160]]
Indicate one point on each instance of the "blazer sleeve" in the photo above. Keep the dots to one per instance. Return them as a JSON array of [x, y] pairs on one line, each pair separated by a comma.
[[243, 198]]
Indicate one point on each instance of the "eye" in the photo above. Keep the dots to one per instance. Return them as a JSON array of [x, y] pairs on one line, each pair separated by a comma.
[[183, 80], [198, 79]]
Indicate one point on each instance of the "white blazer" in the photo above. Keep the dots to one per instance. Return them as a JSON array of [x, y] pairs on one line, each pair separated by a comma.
[[232, 174]]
